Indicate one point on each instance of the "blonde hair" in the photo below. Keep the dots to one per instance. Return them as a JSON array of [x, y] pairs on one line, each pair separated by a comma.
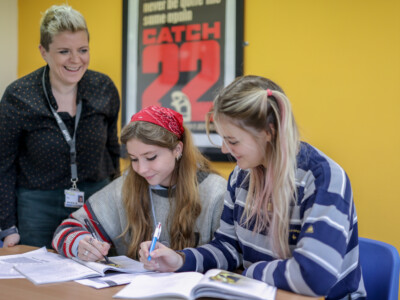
[[246, 103], [135, 190], [59, 18]]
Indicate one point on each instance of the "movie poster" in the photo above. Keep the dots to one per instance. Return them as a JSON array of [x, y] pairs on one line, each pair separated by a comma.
[[181, 55]]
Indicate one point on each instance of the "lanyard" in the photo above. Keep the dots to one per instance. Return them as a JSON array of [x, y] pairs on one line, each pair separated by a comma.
[[64, 130], [153, 188], [152, 206]]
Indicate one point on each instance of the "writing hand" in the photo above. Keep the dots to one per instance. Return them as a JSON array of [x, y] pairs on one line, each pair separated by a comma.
[[90, 249], [163, 259]]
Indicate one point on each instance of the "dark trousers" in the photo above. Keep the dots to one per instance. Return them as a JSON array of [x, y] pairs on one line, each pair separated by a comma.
[[41, 212]]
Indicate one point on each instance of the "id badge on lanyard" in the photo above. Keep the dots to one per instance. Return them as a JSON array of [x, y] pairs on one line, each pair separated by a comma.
[[73, 196]]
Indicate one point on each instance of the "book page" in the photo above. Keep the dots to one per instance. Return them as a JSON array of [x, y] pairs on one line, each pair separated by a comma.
[[7, 262], [227, 285], [60, 269], [56, 271], [122, 263], [160, 285]]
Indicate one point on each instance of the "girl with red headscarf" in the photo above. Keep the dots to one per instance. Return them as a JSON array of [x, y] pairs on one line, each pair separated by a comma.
[[168, 181]]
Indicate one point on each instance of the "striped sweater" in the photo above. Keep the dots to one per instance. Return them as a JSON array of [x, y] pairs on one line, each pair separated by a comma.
[[323, 235]]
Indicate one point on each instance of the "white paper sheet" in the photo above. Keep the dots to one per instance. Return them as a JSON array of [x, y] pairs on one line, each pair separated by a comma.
[[7, 262]]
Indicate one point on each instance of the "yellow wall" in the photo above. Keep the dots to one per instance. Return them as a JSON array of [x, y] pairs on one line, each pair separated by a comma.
[[338, 61]]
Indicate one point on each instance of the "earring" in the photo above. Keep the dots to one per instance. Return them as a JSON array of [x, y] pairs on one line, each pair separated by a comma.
[[179, 157]]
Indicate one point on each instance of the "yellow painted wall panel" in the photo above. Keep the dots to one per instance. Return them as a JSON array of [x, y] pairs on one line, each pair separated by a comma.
[[338, 61]]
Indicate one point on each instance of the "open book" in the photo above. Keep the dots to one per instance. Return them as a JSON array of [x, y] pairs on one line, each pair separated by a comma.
[[192, 285], [67, 269]]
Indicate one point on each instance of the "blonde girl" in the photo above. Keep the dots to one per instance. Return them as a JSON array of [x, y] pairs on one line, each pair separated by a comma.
[[289, 217]]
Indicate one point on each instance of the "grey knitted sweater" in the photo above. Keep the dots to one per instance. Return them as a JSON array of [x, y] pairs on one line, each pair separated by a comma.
[[107, 214]]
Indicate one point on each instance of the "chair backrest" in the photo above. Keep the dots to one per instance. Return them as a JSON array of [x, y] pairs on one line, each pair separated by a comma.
[[380, 264]]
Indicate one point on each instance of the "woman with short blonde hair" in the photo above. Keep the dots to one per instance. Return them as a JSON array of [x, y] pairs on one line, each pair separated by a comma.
[[58, 127]]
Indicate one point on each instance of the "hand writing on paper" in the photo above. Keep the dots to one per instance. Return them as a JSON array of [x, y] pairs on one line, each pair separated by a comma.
[[90, 249], [11, 240], [163, 259]]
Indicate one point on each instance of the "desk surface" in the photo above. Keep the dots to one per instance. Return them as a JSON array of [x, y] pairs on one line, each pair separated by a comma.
[[22, 289]]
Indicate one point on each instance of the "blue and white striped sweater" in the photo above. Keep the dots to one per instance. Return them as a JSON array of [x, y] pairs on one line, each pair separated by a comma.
[[323, 235]]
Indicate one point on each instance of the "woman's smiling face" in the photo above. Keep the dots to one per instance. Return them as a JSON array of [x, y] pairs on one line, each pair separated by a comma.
[[68, 57]]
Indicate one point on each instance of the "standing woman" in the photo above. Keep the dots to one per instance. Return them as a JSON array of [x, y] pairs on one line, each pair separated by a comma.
[[169, 182], [58, 130], [289, 218]]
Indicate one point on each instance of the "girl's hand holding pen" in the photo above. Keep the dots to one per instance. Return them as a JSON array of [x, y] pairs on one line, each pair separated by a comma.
[[91, 249], [163, 259]]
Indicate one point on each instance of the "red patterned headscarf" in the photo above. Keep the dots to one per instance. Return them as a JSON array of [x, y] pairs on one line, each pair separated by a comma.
[[161, 116]]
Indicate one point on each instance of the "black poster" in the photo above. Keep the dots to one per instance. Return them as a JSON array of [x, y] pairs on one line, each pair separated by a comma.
[[178, 54]]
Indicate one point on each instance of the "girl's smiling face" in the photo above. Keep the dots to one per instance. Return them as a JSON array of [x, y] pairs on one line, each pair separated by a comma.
[[248, 151], [154, 163]]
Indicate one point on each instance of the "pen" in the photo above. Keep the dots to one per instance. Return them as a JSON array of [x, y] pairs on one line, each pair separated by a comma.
[[94, 235], [156, 236]]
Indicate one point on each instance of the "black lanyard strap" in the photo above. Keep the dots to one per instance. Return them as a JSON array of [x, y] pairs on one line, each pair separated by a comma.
[[71, 141]]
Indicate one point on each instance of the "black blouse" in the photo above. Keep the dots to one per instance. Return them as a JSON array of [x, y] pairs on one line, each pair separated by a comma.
[[33, 151]]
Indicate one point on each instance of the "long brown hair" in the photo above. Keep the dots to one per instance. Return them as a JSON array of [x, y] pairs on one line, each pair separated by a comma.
[[135, 190]]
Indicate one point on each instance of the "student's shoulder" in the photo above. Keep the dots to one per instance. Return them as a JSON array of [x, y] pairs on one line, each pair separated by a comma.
[[211, 191], [211, 186], [206, 178], [325, 181], [323, 168], [112, 188]]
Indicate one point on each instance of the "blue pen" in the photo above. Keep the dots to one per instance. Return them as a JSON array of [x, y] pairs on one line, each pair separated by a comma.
[[156, 236]]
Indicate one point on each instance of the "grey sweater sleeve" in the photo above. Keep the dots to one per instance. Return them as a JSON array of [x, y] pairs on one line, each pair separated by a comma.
[[212, 190]]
